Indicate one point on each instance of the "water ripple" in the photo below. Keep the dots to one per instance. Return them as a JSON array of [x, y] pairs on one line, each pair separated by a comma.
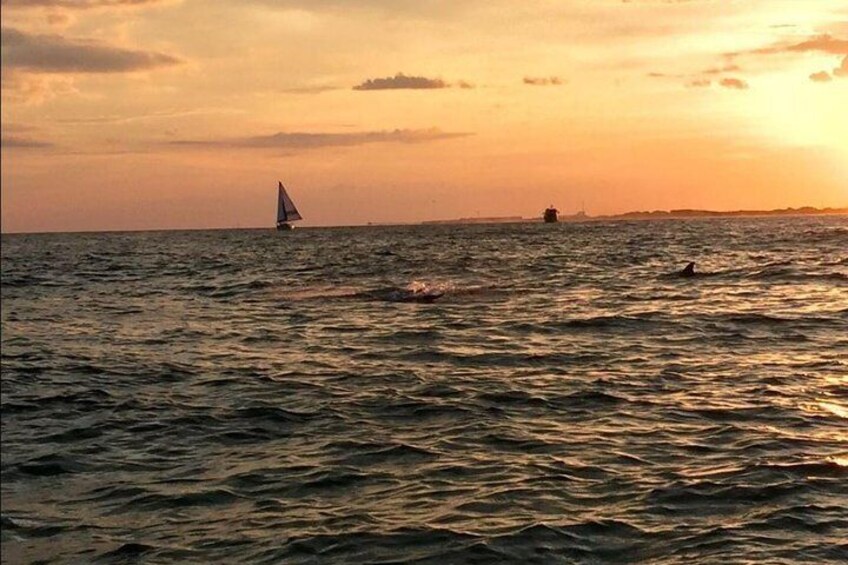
[[518, 393]]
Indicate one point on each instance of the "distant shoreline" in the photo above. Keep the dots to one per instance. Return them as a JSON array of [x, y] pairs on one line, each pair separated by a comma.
[[575, 218], [655, 215]]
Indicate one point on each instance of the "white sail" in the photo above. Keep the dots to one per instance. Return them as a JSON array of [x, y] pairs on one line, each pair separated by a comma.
[[286, 210]]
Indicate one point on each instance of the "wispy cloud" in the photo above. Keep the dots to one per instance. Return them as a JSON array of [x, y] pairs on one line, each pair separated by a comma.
[[702, 78], [315, 89], [543, 81], [826, 44], [820, 43], [401, 81], [76, 4], [20, 142], [158, 115], [304, 140], [41, 53], [718, 70]]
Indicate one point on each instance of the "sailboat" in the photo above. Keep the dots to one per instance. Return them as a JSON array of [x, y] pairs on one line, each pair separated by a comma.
[[286, 210]]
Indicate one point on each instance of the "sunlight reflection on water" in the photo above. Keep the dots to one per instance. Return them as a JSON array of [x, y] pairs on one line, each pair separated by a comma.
[[505, 393]]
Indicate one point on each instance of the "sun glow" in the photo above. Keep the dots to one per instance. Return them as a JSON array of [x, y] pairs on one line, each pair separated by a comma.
[[800, 115]]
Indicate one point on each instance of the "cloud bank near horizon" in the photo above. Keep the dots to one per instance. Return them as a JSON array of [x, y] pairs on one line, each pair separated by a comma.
[[307, 140]]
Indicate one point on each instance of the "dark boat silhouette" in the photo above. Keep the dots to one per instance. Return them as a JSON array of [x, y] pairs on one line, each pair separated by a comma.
[[286, 210]]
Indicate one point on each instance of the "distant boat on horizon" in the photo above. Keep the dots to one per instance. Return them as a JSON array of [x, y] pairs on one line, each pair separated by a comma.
[[550, 215], [286, 210]]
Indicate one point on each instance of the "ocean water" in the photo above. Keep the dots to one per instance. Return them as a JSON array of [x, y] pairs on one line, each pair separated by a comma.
[[521, 393]]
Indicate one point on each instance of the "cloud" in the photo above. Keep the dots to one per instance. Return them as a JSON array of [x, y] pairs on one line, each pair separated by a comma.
[[303, 140], [34, 88], [699, 83], [76, 4], [57, 54], [719, 70], [821, 76], [543, 81], [166, 115], [842, 70], [839, 72], [734, 83], [20, 142], [316, 89], [826, 44], [16, 128], [820, 43], [401, 80], [58, 19]]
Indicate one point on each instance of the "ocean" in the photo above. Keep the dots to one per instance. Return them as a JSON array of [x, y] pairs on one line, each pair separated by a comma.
[[503, 393]]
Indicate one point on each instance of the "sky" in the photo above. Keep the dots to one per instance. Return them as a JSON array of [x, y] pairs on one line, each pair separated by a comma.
[[158, 114]]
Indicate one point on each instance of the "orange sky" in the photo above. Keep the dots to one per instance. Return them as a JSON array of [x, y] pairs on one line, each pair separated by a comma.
[[138, 114]]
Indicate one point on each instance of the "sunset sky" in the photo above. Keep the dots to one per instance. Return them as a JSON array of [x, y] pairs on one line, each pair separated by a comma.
[[137, 114]]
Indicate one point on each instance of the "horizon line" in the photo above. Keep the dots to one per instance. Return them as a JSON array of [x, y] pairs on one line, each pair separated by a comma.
[[577, 217]]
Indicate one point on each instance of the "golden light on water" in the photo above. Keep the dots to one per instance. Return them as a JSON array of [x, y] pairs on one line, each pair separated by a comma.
[[834, 408]]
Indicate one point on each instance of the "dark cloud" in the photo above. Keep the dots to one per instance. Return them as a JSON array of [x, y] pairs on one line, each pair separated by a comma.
[[302, 140], [75, 4], [543, 81], [57, 54], [821, 76], [401, 80], [19, 142], [734, 83]]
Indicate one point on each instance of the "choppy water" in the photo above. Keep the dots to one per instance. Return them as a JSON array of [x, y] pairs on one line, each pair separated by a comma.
[[249, 396]]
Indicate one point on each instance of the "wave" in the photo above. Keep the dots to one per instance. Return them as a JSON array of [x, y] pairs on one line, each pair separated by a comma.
[[414, 291], [614, 322], [50, 465], [28, 529], [557, 401]]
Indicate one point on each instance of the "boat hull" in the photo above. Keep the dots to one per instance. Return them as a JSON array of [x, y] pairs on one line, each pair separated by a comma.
[[284, 227]]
